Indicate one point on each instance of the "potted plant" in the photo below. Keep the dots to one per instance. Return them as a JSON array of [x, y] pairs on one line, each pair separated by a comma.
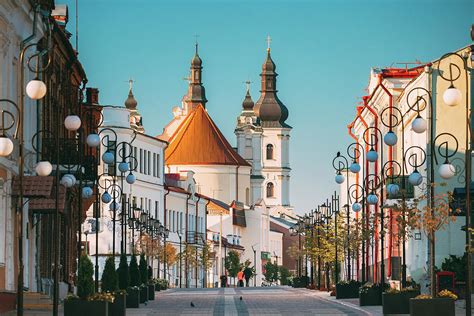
[[86, 302], [398, 302], [370, 294], [143, 267], [426, 305], [133, 292], [109, 284], [347, 289]]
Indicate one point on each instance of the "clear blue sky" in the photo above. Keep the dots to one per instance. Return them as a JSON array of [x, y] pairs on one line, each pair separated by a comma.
[[323, 50]]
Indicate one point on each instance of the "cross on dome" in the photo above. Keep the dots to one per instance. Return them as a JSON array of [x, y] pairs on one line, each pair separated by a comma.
[[269, 41]]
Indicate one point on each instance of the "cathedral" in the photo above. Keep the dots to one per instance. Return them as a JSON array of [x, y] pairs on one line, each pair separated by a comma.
[[246, 185], [260, 163]]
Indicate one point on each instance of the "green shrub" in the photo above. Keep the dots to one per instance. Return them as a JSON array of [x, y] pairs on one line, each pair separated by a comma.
[[85, 281], [284, 275], [134, 272], [109, 276], [123, 273], [143, 269]]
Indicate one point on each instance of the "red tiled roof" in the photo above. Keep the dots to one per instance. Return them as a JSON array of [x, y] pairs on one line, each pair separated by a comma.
[[198, 141], [402, 72]]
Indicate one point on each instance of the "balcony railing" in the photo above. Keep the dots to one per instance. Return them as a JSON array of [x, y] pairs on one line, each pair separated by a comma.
[[195, 238]]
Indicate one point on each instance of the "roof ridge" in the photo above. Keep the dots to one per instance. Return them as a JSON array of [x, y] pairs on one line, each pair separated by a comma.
[[189, 118]]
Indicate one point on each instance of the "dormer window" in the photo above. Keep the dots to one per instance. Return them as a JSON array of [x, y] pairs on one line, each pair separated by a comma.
[[269, 152]]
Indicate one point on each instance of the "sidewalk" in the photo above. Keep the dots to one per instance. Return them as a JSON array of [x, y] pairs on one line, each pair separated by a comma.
[[375, 310]]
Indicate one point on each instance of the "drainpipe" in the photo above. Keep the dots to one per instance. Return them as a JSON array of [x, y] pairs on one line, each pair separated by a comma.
[[376, 167], [390, 158], [353, 136], [196, 237], [186, 240]]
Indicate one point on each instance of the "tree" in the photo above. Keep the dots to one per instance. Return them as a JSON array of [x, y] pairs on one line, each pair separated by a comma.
[[232, 263], [168, 255], [135, 279], [205, 259], [271, 272], [143, 269], [85, 282], [430, 214], [123, 273], [109, 276], [284, 275]]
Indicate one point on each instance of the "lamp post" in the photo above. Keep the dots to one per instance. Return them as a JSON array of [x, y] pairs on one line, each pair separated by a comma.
[[453, 97], [255, 265], [36, 90], [340, 165]]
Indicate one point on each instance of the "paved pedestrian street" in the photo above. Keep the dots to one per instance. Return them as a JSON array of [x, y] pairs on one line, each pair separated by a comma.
[[255, 301]]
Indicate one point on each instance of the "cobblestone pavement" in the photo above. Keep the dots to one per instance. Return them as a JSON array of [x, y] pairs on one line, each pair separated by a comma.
[[255, 301]]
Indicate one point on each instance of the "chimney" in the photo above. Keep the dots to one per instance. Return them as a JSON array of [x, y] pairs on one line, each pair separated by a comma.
[[92, 96]]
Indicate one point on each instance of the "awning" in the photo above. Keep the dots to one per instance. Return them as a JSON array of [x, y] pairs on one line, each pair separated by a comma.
[[49, 204], [33, 186]]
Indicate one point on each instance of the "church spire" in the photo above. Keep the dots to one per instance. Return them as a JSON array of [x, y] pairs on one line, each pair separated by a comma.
[[271, 111], [248, 103], [196, 92]]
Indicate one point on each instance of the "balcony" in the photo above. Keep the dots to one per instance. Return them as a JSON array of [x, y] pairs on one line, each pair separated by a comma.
[[195, 238]]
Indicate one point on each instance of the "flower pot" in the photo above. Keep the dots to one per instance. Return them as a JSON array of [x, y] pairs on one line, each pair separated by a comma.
[[82, 307], [370, 296], [439, 306], [133, 298], [151, 292], [118, 307], [143, 294], [348, 290], [397, 303]]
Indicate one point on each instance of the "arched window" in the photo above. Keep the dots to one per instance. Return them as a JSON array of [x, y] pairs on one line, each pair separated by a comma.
[[269, 151], [270, 189]]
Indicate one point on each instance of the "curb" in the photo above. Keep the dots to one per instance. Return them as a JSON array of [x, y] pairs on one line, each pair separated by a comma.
[[341, 303]]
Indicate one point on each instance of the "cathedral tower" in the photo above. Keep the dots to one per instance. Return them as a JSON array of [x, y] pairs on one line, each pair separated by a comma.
[[263, 139], [196, 92], [273, 114]]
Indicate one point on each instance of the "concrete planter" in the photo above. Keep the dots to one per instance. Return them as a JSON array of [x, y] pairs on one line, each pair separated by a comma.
[[133, 298], [397, 303], [143, 294], [370, 297], [439, 306], [119, 306], [151, 292], [348, 290], [81, 308]]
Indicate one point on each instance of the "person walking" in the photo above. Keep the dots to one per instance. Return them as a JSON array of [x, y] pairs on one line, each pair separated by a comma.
[[240, 278], [248, 274]]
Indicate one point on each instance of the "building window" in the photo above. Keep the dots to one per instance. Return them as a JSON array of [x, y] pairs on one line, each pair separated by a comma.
[[269, 151], [148, 163], [247, 196], [270, 190], [158, 165], [154, 164], [141, 160]]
